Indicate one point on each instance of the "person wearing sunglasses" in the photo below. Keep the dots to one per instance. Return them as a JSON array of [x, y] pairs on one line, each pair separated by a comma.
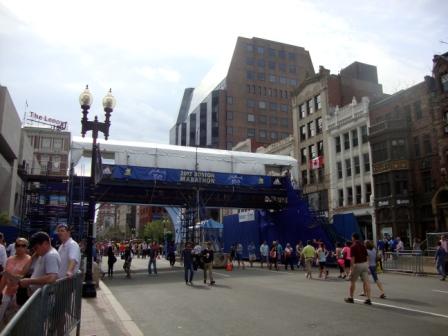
[[16, 267]]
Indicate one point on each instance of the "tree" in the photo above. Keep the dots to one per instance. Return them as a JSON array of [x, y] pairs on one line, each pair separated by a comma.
[[154, 231]]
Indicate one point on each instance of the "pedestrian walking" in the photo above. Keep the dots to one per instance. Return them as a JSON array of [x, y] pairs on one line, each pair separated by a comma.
[[300, 261], [273, 259], [309, 253], [264, 253], [322, 254], [207, 259], [187, 259], [239, 255], [440, 257], [111, 260], [347, 258], [288, 257], [153, 254], [252, 255], [171, 252], [340, 261], [373, 259], [127, 261], [359, 268]]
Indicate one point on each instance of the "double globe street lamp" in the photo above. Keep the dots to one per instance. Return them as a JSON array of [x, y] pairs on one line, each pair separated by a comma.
[[85, 100]]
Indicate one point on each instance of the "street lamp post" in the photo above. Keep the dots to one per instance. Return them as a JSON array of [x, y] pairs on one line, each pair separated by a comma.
[[85, 100]]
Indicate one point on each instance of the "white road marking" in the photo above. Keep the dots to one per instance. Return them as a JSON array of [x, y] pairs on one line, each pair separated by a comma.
[[440, 291], [406, 309], [222, 274]]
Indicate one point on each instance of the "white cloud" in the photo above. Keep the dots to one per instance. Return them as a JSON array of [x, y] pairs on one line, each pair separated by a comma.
[[164, 74]]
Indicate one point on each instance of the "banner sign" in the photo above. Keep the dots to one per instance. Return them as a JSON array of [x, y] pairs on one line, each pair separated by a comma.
[[132, 173], [43, 119]]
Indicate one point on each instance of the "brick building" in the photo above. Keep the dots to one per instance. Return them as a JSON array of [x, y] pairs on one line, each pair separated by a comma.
[[253, 100], [315, 99]]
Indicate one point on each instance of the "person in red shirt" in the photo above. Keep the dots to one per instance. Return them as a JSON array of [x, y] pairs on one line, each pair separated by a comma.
[[359, 268]]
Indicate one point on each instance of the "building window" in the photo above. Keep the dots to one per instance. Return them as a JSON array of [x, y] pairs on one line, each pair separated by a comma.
[[318, 102], [250, 103], [250, 75], [271, 65], [444, 82], [382, 186], [284, 122], [262, 134], [261, 63], [427, 144], [427, 181], [274, 136], [320, 148], [401, 183], [250, 118], [57, 144], [340, 197], [251, 132], [249, 61], [302, 110], [303, 156], [262, 119], [272, 78], [273, 106], [337, 142], [282, 80], [273, 120], [398, 149], [364, 135], [291, 56], [320, 175], [366, 159], [260, 50], [368, 192], [349, 196], [302, 133], [293, 82], [358, 194], [417, 147], [261, 76], [292, 69], [339, 168], [346, 141], [262, 104], [249, 47], [348, 168], [284, 107], [229, 115], [272, 52], [357, 165], [312, 177], [418, 110], [55, 163], [379, 152], [229, 130], [312, 151], [46, 143], [282, 67], [282, 54], [319, 126], [311, 130], [309, 105], [355, 138], [304, 177]]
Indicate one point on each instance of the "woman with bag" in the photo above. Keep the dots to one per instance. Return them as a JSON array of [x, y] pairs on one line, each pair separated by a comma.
[[16, 268], [111, 260]]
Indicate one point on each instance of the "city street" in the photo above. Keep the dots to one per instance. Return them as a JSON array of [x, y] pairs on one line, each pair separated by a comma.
[[261, 302]]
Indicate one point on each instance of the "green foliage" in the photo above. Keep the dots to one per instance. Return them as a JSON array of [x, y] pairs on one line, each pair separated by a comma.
[[4, 218], [112, 233], [153, 231]]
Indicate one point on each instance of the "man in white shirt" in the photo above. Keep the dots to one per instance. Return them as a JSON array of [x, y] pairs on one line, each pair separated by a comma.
[[68, 251], [3, 255]]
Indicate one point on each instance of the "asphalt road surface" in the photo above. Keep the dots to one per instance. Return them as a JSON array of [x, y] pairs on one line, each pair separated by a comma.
[[261, 302]]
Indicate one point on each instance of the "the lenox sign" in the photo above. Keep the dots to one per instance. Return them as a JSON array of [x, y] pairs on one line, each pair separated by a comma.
[[61, 125]]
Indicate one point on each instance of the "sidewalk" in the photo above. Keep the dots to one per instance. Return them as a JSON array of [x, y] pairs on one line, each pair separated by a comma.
[[104, 316]]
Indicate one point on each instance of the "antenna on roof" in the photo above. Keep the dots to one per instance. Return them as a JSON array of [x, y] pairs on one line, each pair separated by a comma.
[[443, 42]]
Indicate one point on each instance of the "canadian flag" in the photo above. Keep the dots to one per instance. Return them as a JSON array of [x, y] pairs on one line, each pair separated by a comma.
[[317, 162]]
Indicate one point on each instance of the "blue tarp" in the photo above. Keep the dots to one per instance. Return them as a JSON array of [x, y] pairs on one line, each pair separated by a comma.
[[290, 225], [211, 224], [345, 225]]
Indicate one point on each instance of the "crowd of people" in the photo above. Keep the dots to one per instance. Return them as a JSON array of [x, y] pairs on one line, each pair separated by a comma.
[[27, 265]]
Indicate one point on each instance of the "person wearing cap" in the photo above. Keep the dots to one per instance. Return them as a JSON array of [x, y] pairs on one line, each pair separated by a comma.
[[68, 251], [47, 265]]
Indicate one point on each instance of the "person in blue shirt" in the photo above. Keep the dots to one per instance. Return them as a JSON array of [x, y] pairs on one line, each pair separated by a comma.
[[440, 260]]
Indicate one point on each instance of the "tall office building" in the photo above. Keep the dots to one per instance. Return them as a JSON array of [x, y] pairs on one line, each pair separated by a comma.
[[252, 101]]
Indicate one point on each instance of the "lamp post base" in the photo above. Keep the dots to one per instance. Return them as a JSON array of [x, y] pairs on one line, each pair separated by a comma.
[[88, 289]]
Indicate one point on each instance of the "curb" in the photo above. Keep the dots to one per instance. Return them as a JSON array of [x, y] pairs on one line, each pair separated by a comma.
[[123, 316]]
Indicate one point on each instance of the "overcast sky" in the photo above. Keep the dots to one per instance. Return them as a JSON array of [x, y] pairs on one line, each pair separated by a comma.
[[149, 51]]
